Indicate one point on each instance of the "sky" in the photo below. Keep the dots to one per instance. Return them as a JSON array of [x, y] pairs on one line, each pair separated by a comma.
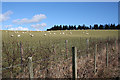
[[60, 0], [43, 15]]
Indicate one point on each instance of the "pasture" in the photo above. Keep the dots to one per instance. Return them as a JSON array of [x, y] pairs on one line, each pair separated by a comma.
[[44, 45]]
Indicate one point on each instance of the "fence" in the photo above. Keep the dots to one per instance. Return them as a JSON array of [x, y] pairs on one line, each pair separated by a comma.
[[95, 55]]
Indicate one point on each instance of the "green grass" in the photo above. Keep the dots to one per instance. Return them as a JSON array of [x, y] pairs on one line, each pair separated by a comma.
[[41, 47]]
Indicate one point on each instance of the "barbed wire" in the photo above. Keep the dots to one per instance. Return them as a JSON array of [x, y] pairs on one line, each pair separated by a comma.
[[90, 48], [40, 60], [12, 66]]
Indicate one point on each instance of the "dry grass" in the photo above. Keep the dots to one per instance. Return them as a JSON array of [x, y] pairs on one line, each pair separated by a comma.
[[63, 69]]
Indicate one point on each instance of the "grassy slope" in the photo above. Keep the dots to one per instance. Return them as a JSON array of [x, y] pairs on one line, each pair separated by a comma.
[[41, 47]]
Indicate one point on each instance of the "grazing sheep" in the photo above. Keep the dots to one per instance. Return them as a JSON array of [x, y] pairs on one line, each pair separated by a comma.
[[12, 35], [87, 33], [63, 33], [18, 35], [50, 33], [44, 34], [60, 33], [32, 35], [54, 33]]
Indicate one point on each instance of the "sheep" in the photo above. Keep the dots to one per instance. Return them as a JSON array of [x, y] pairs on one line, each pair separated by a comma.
[[87, 33], [12, 35], [54, 33], [18, 35], [32, 35], [63, 33], [50, 33], [44, 34]]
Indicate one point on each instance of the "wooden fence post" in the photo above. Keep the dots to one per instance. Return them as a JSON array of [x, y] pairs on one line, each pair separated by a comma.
[[54, 51], [87, 41], [30, 68], [106, 54], [95, 58], [66, 41], [74, 62], [115, 45], [109, 38], [21, 53]]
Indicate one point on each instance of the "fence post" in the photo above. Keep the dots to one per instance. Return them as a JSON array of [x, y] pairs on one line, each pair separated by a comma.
[[21, 53], [54, 51], [74, 62], [106, 54], [87, 44], [115, 45], [30, 67], [95, 58], [66, 41]]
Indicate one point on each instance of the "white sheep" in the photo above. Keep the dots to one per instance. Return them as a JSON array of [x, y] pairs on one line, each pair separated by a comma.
[[44, 34], [18, 35], [87, 33], [32, 35], [12, 35], [54, 33]]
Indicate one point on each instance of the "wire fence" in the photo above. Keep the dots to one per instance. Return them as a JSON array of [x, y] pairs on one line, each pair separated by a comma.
[[56, 61]]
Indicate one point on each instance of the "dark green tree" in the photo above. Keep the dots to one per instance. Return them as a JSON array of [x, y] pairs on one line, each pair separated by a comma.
[[101, 26], [95, 26], [79, 27], [106, 26]]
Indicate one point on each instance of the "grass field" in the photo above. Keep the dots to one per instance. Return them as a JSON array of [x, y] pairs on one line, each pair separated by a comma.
[[47, 44]]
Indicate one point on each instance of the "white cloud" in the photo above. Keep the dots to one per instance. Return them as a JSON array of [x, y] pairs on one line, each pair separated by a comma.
[[36, 18], [19, 28], [5, 16], [38, 26], [8, 26]]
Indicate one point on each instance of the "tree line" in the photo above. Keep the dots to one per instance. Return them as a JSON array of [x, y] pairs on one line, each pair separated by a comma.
[[83, 27]]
